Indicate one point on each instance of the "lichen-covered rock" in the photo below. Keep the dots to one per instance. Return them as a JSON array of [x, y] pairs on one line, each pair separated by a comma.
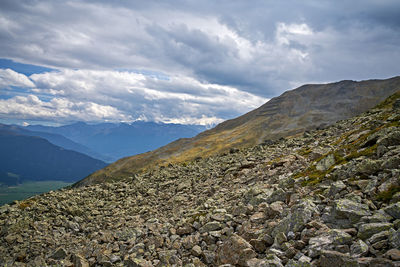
[[359, 249], [258, 217], [59, 254], [210, 226], [184, 230], [274, 209], [79, 261], [209, 257], [394, 238], [369, 261], [277, 195], [255, 196], [300, 215], [260, 263], [377, 217], [328, 241], [294, 263], [325, 163], [336, 187], [235, 250], [368, 166], [10, 238], [375, 238], [391, 138], [134, 262], [396, 224], [346, 208], [196, 250], [272, 260], [335, 259], [168, 257], [367, 230], [259, 245], [393, 210], [391, 163]]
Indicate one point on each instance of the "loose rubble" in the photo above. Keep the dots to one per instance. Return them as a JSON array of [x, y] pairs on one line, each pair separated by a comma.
[[328, 197]]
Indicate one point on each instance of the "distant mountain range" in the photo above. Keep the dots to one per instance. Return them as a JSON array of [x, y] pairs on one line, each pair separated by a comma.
[[71, 152], [112, 141], [32, 158], [55, 139], [293, 112]]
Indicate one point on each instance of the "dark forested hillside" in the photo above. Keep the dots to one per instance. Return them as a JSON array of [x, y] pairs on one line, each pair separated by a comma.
[[32, 158]]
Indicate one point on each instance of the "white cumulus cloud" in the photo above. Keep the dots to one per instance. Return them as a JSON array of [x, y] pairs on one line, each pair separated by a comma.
[[58, 109], [10, 78], [98, 95]]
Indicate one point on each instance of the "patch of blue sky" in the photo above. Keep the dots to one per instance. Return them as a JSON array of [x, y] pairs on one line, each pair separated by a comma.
[[45, 97], [26, 69], [148, 73], [19, 91], [5, 96], [13, 91]]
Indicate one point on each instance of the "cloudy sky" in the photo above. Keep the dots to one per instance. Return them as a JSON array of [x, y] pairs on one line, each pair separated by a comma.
[[192, 62]]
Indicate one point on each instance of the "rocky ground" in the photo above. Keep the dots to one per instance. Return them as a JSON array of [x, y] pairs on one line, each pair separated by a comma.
[[329, 197]]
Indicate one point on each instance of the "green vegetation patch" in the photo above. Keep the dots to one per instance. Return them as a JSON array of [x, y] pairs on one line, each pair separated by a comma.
[[387, 195], [314, 176], [388, 103], [304, 151], [367, 152]]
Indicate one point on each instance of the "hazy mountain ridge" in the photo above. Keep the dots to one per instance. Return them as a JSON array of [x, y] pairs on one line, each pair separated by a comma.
[[295, 111], [117, 140], [41, 152], [55, 139], [32, 158], [328, 197]]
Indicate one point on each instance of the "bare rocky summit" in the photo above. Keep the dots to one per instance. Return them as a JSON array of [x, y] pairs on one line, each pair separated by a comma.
[[328, 197]]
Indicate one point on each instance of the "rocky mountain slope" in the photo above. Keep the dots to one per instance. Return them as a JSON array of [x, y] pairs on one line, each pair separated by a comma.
[[305, 108], [328, 197]]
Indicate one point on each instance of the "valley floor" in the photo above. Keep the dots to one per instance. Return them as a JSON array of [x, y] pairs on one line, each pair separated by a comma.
[[9, 194]]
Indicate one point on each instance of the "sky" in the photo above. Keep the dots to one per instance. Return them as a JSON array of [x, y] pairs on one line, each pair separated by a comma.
[[190, 62]]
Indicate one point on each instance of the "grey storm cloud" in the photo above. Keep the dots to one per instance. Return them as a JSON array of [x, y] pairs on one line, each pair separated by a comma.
[[258, 49], [205, 39]]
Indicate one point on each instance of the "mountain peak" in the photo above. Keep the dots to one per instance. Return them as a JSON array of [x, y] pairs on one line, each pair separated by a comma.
[[295, 111]]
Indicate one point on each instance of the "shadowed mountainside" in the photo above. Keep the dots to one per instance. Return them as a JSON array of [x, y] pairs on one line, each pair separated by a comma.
[[305, 108], [55, 139], [31, 158]]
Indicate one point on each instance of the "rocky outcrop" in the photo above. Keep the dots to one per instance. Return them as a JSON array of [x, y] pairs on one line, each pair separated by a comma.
[[268, 205]]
